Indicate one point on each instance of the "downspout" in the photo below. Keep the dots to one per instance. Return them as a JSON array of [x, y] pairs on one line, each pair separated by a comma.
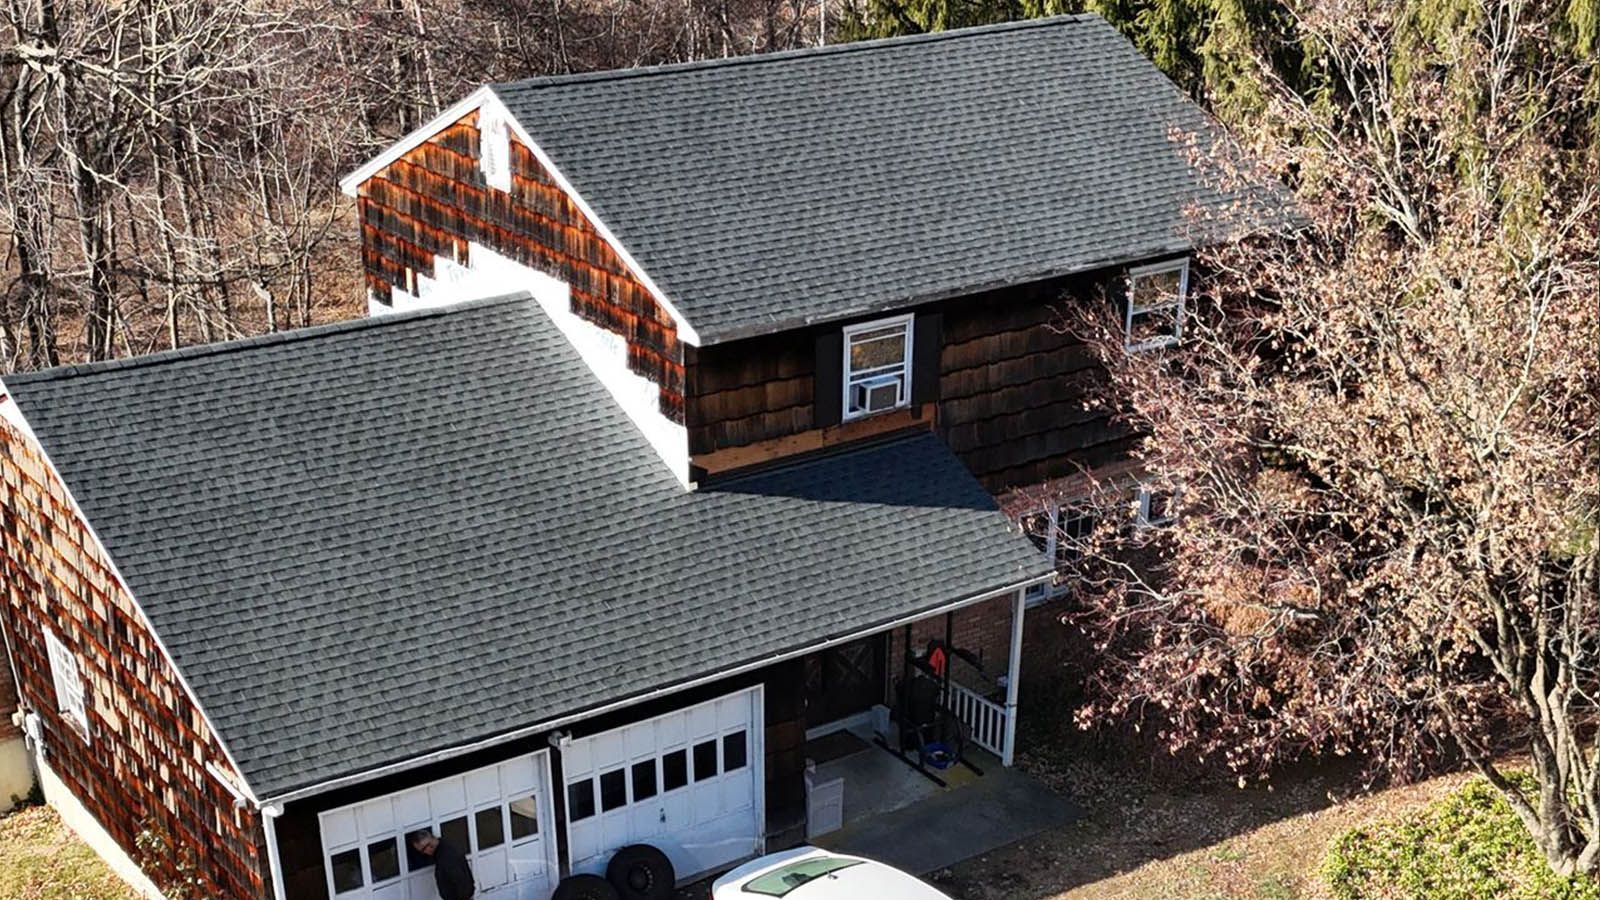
[[269, 823]]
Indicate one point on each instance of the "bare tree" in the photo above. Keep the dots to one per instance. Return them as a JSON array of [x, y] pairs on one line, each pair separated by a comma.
[[1382, 439]]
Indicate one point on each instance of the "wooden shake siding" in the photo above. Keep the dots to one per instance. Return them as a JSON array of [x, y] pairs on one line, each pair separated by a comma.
[[143, 770], [765, 388], [1012, 388], [434, 201], [1011, 392]]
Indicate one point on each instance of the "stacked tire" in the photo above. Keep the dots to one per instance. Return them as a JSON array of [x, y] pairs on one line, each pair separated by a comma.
[[636, 872]]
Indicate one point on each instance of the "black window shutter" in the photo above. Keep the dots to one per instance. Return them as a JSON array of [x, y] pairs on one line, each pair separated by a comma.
[[829, 379], [926, 341]]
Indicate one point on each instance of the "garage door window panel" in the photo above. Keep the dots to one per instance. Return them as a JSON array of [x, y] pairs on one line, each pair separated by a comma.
[[613, 790], [734, 752], [705, 760], [674, 770], [524, 818], [580, 799], [491, 828], [644, 780], [347, 874], [384, 859]]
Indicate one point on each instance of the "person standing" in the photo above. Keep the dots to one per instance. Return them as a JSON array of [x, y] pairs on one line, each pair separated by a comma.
[[452, 875]]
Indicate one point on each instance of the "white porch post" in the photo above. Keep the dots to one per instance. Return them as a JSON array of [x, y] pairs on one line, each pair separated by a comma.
[[1019, 605]]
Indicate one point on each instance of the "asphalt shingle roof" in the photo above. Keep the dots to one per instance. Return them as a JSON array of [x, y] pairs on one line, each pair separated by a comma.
[[767, 192], [367, 541]]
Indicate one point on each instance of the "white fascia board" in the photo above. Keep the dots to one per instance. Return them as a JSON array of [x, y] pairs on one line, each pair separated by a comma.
[[11, 412], [667, 691], [350, 183], [476, 100], [686, 332]]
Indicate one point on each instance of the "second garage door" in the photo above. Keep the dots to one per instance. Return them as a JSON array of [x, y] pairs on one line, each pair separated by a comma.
[[688, 782]]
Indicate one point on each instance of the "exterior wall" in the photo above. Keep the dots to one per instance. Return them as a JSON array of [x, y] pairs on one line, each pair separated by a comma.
[[983, 628], [433, 203], [1010, 391], [143, 770], [1012, 387], [16, 771], [299, 832]]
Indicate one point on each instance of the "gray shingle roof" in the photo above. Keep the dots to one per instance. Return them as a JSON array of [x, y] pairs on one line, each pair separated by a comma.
[[366, 541], [770, 191]]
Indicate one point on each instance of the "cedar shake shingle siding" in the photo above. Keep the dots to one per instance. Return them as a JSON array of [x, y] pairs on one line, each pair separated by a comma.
[[434, 201], [143, 769]]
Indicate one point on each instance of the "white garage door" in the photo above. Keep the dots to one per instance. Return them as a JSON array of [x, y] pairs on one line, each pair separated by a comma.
[[689, 782], [498, 815]]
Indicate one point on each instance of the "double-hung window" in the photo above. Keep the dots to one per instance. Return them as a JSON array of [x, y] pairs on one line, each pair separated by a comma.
[[68, 682], [1061, 531], [877, 366], [1155, 508], [1156, 295]]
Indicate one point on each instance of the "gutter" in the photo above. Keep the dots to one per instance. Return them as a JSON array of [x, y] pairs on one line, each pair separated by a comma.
[[277, 801]]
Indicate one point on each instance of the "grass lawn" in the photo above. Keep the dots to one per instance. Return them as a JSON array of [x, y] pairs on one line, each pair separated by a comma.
[[41, 859], [1139, 843]]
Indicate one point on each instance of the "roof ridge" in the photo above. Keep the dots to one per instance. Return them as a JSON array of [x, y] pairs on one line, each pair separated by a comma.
[[254, 342], [544, 81]]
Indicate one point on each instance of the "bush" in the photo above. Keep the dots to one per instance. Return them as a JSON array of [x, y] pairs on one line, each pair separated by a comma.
[[1467, 845]]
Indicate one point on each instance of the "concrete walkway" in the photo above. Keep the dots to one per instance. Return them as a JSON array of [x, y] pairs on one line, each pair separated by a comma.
[[1002, 807]]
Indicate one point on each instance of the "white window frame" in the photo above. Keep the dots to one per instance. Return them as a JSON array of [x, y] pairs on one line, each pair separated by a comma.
[[1043, 593], [494, 147], [850, 377], [67, 678], [1142, 516], [1181, 266]]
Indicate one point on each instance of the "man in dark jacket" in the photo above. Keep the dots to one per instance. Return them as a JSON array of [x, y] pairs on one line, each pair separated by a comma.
[[451, 873]]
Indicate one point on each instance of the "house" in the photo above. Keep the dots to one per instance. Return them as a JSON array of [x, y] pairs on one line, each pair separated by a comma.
[[680, 421]]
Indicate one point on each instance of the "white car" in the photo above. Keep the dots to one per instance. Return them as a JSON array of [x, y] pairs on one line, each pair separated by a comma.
[[807, 873]]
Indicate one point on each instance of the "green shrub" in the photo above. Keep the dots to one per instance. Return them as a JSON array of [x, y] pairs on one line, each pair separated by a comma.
[[1465, 846]]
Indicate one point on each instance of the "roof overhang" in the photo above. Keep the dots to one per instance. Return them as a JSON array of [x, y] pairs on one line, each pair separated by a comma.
[[646, 696]]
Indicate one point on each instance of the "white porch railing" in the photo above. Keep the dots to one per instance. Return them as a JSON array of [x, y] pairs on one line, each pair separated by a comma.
[[986, 718]]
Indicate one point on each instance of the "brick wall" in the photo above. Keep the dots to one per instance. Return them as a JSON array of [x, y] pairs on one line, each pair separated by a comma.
[[142, 769]]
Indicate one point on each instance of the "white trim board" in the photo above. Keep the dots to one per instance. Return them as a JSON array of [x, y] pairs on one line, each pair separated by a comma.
[[479, 99], [689, 684]]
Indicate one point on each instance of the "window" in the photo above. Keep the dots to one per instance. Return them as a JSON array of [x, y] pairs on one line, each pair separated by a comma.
[[384, 858], [644, 780], [494, 148], [733, 751], [877, 366], [524, 818], [455, 831], [674, 770], [580, 799], [705, 760], [780, 882], [68, 683], [1156, 296], [1156, 508], [491, 828], [613, 790], [1059, 531], [347, 871]]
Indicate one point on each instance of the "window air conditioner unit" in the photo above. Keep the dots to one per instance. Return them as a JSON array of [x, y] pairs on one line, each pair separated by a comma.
[[877, 394]]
